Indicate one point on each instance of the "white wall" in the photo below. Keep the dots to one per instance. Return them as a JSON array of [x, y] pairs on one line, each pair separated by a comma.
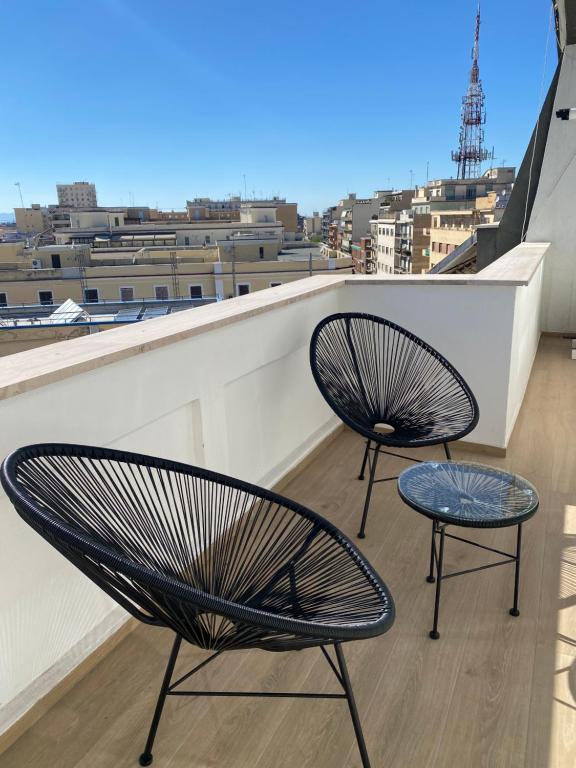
[[471, 325], [239, 399], [525, 338], [553, 218]]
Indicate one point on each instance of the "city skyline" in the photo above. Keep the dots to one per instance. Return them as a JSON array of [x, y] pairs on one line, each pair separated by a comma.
[[152, 115]]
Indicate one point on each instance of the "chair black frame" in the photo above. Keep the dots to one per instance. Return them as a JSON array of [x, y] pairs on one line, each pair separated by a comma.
[[49, 485], [348, 348]]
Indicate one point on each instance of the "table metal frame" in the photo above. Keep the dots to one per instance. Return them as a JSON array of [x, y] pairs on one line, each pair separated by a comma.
[[436, 573]]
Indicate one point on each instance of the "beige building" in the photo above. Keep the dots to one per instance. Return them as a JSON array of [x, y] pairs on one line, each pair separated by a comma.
[[452, 228], [49, 276], [206, 209], [287, 215], [33, 220], [313, 225], [108, 229], [152, 277], [79, 194]]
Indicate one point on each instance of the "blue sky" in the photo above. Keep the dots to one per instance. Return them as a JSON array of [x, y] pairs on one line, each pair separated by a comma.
[[310, 100]]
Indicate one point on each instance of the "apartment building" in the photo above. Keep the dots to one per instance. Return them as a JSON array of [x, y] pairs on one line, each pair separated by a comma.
[[206, 209], [313, 225], [353, 216], [328, 219], [79, 194], [450, 229], [33, 220], [364, 256], [403, 240], [461, 194], [384, 243], [447, 211], [421, 242], [257, 221], [49, 275]]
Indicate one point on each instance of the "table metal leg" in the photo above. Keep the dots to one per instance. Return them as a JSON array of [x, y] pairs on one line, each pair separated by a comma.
[[430, 578], [434, 634], [514, 610]]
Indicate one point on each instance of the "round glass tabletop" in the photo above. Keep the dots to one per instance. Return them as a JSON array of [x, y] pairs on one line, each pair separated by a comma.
[[468, 494]]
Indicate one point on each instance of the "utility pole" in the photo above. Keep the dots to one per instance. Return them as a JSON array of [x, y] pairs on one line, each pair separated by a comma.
[[233, 267], [17, 184]]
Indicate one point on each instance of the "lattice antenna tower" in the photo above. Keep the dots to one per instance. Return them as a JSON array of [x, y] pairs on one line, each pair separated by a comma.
[[471, 152]]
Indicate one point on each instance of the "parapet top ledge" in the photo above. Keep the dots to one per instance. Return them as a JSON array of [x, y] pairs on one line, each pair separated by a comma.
[[515, 268]]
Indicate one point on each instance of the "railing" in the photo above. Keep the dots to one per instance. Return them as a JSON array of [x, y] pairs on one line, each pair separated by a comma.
[[227, 386]]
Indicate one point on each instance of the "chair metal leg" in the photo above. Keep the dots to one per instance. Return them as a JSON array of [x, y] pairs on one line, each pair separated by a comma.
[[146, 756], [447, 451], [364, 460], [430, 578], [373, 463], [514, 610], [434, 634], [352, 706]]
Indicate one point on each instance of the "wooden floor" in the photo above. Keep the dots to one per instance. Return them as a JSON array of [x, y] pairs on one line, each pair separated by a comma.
[[493, 692]]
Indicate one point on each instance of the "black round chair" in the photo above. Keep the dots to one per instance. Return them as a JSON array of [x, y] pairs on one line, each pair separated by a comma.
[[224, 564], [389, 386]]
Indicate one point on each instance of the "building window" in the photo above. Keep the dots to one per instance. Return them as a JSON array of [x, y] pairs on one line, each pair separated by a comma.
[[207, 239], [161, 292], [186, 241], [56, 263], [3, 300], [261, 251], [195, 291], [116, 221], [45, 297], [127, 293], [242, 289], [91, 295]]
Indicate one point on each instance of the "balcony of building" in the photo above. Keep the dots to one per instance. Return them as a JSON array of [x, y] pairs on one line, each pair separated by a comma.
[[228, 386]]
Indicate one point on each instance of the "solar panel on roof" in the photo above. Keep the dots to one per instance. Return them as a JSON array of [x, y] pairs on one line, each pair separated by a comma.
[[149, 314], [68, 312], [128, 315]]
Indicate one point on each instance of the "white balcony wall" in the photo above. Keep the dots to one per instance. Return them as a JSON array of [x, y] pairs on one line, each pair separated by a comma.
[[238, 399], [487, 326], [226, 386]]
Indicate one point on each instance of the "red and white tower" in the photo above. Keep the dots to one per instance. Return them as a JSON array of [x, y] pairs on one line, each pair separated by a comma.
[[471, 152]]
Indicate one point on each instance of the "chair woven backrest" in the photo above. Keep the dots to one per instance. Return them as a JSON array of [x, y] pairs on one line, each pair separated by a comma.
[[371, 371], [224, 563]]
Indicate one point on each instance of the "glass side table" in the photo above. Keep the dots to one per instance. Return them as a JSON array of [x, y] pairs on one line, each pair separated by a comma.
[[467, 495]]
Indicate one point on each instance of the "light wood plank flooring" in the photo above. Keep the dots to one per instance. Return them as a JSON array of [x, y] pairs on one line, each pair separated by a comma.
[[493, 692]]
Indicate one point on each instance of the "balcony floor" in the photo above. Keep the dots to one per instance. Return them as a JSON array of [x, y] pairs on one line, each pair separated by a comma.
[[492, 692]]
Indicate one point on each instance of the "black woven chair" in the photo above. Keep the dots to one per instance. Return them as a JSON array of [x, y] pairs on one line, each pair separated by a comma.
[[224, 564], [376, 375]]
